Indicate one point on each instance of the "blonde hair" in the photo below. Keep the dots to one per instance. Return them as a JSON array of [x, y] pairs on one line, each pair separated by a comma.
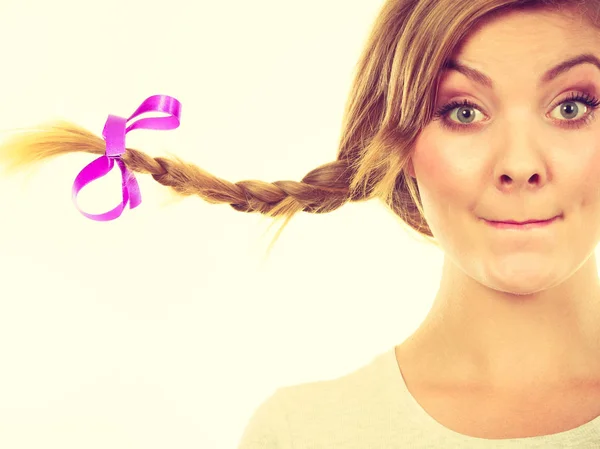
[[392, 99]]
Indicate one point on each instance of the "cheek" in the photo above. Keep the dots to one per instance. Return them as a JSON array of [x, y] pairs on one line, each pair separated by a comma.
[[575, 167], [586, 180], [446, 189], [441, 178]]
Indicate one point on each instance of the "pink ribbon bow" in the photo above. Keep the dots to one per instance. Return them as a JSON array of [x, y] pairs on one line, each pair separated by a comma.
[[114, 134]]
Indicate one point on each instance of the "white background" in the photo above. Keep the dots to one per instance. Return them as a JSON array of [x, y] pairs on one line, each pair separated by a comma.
[[165, 327]]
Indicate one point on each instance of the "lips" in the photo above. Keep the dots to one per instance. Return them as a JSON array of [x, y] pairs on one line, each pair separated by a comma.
[[530, 224], [522, 222]]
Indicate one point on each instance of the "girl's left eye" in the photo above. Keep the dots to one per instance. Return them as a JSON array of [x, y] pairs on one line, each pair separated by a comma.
[[591, 102]]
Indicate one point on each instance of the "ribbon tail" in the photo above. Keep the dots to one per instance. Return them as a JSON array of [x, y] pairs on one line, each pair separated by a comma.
[[131, 189]]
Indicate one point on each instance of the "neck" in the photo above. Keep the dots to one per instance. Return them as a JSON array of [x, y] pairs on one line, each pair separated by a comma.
[[506, 341]]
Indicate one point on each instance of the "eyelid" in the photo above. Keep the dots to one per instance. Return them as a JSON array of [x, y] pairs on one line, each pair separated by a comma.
[[454, 93], [561, 98]]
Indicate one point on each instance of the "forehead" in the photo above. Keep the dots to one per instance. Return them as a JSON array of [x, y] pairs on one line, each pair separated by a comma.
[[539, 26], [520, 44]]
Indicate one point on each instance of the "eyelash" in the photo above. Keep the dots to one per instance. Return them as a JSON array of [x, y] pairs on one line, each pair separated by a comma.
[[590, 101]]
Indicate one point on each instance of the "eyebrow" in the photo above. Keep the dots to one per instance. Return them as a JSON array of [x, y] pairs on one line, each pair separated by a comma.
[[483, 79]]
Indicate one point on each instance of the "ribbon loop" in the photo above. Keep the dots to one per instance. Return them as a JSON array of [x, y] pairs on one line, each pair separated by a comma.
[[114, 134]]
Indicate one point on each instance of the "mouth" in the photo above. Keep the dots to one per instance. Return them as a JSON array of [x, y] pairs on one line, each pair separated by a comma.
[[530, 224]]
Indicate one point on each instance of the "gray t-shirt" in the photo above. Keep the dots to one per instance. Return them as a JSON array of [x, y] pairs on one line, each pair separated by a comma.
[[371, 408]]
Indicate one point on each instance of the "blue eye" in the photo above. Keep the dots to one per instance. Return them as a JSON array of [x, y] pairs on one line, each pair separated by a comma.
[[591, 102]]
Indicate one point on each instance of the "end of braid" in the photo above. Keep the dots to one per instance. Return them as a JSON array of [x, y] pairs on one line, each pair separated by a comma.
[[27, 147]]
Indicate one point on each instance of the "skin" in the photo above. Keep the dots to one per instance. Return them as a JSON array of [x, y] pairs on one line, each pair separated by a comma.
[[515, 310]]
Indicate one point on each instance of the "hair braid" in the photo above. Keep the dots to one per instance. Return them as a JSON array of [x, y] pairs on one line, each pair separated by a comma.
[[322, 190]]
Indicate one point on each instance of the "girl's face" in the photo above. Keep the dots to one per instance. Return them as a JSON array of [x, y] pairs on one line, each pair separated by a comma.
[[527, 148]]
